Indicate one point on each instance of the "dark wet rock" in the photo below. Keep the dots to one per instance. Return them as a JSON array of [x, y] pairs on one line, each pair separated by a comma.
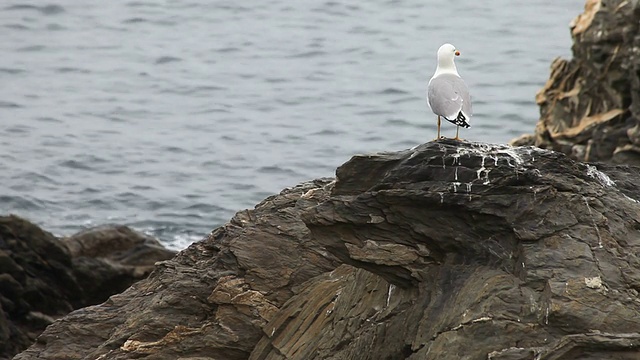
[[41, 280], [590, 107], [108, 259], [36, 278], [445, 251]]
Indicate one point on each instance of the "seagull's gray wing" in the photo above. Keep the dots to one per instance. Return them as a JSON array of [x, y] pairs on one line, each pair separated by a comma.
[[448, 96]]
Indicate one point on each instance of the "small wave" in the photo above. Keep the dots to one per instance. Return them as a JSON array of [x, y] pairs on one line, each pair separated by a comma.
[[74, 164], [166, 59], [396, 122], [50, 9], [134, 20], [89, 190], [174, 149], [35, 178], [372, 138], [511, 117], [17, 27], [276, 80], [308, 54], [11, 71], [66, 70], [294, 137], [182, 241], [228, 138], [19, 129], [205, 208], [141, 4], [406, 99], [142, 187], [172, 235], [374, 112], [274, 169], [392, 91], [327, 132], [9, 105], [100, 203], [208, 88], [228, 49], [363, 30], [13, 204], [32, 48], [243, 187], [55, 27], [288, 102], [210, 111]]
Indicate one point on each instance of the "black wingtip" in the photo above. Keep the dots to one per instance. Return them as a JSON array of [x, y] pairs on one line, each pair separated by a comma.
[[460, 120]]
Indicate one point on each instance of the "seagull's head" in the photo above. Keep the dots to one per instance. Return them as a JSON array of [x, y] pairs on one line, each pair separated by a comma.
[[446, 53]]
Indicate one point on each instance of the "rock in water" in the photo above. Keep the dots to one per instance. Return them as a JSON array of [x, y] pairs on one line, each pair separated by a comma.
[[590, 106], [36, 283], [445, 251], [41, 279], [108, 259]]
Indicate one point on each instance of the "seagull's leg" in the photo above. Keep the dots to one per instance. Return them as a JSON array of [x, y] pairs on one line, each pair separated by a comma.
[[457, 133], [438, 138]]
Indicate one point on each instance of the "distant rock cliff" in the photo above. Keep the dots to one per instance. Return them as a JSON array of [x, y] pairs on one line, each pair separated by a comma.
[[445, 251], [590, 107]]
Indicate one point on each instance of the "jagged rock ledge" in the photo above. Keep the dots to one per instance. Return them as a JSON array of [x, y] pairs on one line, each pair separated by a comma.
[[445, 251]]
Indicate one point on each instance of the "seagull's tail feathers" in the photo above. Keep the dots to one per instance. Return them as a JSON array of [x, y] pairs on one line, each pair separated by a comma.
[[460, 120]]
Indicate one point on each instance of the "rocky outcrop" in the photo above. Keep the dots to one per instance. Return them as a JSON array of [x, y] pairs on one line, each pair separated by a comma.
[[108, 259], [41, 280], [210, 301], [590, 107], [445, 251]]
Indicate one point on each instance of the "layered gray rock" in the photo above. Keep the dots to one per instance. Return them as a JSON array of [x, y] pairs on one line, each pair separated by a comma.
[[445, 251], [590, 106]]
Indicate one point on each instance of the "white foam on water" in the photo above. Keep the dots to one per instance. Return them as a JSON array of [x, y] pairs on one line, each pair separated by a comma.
[[182, 241]]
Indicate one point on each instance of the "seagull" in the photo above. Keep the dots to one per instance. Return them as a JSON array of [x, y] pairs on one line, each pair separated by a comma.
[[447, 94]]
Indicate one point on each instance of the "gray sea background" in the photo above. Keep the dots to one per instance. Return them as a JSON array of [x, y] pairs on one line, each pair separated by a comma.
[[170, 116]]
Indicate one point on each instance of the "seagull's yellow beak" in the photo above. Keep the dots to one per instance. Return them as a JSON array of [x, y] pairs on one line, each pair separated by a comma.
[[457, 52]]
